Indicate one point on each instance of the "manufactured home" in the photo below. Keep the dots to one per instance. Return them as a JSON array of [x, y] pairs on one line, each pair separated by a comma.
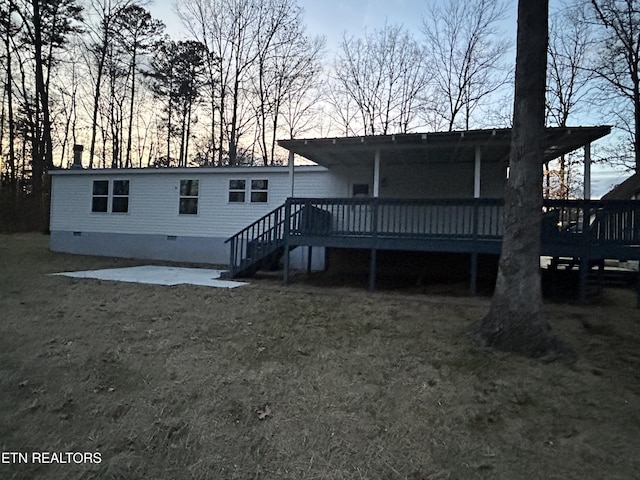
[[424, 192], [174, 214]]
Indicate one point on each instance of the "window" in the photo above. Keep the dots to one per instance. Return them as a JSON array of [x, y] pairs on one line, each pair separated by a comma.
[[188, 197], [117, 196], [120, 200], [237, 189], [360, 189], [100, 200], [259, 190]]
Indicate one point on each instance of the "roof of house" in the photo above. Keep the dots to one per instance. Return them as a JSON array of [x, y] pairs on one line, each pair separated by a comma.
[[271, 169], [626, 190], [458, 146]]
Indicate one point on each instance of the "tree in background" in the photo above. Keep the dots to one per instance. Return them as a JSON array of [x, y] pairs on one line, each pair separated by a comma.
[[286, 61], [178, 74], [464, 50], [101, 29], [383, 74], [41, 31], [10, 177], [138, 34], [515, 321], [301, 91], [569, 90], [618, 64], [256, 47]]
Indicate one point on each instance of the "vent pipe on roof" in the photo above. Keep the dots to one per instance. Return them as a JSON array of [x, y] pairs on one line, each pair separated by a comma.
[[77, 156]]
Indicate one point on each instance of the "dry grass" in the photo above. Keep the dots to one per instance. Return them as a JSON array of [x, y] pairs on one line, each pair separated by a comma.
[[171, 382]]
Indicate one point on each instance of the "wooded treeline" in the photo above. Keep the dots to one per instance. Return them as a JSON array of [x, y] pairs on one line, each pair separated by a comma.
[[104, 74]]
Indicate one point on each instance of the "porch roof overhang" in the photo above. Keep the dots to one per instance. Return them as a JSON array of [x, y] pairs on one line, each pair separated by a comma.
[[438, 147]]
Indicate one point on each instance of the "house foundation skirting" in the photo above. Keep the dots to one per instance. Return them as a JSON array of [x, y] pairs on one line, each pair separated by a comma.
[[172, 248]]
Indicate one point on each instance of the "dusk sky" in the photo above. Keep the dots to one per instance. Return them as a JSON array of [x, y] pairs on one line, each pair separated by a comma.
[[332, 18]]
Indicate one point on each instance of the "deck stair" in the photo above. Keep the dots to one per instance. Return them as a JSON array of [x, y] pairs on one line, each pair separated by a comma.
[[261, 245], [258, 245]]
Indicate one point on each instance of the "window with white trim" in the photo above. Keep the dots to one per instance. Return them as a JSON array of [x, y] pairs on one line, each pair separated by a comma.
[[188, 197], [100, 196], [120, 199], [259, 191], [237, 191], [110, 196]]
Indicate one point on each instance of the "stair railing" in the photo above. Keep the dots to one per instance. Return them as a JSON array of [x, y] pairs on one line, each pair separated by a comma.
[[256, 241]]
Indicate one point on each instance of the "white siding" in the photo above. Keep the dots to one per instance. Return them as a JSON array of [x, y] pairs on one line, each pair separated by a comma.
[[154, 200]]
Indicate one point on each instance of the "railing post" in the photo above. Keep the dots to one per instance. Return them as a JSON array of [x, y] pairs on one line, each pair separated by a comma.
[[585, 260], [286, 233], [232, 256]]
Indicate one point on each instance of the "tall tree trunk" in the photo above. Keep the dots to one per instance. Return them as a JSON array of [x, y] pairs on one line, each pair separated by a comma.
[[233, 145], [636, 103], [44, 159], [127, 162], [96, 100], [515, 322], [13, 179], [222, 117]]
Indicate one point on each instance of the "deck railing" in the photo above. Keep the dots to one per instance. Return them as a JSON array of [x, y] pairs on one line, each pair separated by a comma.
[[596, 222], [259, 239], [572, 221], [604, 227], [354, 217]]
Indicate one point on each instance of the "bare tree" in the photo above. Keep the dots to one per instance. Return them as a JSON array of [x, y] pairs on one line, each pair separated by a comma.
[[101, 26], [9, 30], [229, 30], [619, 59], [46, 26], [247, 42], [384, 74], [515, 322], [569, 86], [287, 64], [300, 110], [465, 49]]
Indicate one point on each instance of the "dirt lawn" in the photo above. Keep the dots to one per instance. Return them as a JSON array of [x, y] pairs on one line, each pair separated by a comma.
[[297, 382]]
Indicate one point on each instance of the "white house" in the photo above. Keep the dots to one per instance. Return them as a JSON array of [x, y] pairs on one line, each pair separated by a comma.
[[175, 214], [412, 192]]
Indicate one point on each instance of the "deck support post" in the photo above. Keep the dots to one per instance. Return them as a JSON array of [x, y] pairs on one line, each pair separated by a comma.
[[584, 278], [286, 234], [374, 236], [638, 290], [585, 257], [372, 270], [473, 288], [309, 258]]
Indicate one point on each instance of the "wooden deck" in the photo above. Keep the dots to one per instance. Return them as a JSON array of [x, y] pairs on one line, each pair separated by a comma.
[[588, 231]]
